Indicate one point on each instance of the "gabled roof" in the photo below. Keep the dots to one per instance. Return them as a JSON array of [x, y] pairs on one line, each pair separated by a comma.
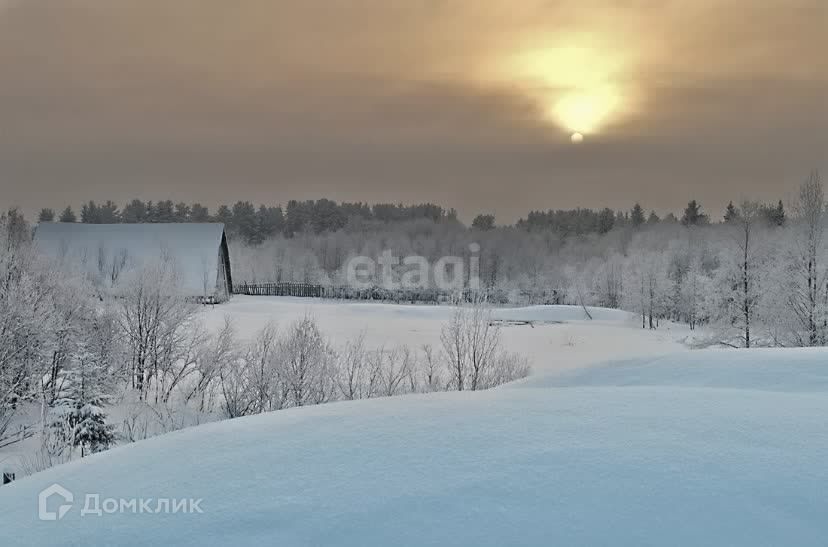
[[194, 247]]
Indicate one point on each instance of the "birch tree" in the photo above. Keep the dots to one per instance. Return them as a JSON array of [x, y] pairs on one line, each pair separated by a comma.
[[742, 275], [156, 323], [808, 298], [305, 358]]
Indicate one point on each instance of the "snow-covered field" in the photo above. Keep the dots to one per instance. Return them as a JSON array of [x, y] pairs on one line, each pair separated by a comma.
[[704, 448], [561, 337], [621, 436]]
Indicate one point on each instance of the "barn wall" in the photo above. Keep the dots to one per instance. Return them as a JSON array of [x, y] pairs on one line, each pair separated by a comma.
[[225, 277]]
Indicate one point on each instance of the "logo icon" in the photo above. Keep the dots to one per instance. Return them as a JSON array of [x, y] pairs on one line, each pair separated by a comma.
[[43, 511]]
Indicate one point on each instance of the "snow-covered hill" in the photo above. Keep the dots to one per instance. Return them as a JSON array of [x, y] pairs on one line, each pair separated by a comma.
[[700, 448]]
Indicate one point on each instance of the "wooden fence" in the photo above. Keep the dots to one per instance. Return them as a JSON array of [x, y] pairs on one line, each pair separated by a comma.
[[412, 295], [281, 289]]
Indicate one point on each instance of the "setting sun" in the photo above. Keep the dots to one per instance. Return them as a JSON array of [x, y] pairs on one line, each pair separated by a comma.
[[576, 88], [584, 111]]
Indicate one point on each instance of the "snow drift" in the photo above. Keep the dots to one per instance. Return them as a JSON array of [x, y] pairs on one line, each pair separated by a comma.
[[669, 451]]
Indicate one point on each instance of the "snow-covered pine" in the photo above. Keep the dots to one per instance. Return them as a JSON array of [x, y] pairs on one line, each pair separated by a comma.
[[78, 412]]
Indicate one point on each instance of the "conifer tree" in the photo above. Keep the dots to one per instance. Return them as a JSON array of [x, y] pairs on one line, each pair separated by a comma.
[[68, 215], [46, 215], [731, 213], [78, 414], [693, 215], [637, 215]]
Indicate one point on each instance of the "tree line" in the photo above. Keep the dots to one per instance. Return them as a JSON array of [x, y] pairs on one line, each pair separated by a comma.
[[757, 275], [585, 221], [253, 225], [250, 223]]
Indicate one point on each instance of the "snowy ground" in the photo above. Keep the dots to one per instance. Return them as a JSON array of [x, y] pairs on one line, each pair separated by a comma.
[[709, 447], [621, 436], [561, 337]]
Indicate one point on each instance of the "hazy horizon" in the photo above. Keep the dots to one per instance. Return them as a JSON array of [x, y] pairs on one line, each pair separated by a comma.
[[714, 212]]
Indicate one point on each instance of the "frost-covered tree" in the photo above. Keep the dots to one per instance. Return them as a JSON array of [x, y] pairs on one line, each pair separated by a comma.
[[431, 378], [237, 393], [216, 355], [483, 343], [646, 284], [71, 310], [306, 360], [395, 369], [695, 293], [455, 348], [472, 352], [268, 390], [78, 412], [356, 379], [608, 283], [655, 287], [742, 275], [775, 313], [250, 377], [635, 296], [28, 319], [808, 294], [157, 325]]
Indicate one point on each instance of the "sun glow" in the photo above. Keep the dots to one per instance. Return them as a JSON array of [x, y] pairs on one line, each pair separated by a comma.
[[584, 110], [577, 88]]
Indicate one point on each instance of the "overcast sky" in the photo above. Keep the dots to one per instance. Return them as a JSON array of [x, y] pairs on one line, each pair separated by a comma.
[[466, 103]]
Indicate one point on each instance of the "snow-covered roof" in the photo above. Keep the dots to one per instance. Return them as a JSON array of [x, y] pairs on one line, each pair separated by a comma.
[[193, 247]]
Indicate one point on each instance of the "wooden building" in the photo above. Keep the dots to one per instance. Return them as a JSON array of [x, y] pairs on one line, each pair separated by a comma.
[[110, 252]]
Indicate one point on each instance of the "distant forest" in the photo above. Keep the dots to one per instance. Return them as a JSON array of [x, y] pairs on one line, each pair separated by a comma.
[[757, 272], [253, 225]]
